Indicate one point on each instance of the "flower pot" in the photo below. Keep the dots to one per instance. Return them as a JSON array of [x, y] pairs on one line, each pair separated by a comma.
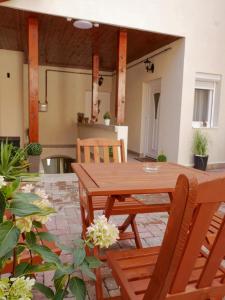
[[107, 122], [200, 162], [34, 161]]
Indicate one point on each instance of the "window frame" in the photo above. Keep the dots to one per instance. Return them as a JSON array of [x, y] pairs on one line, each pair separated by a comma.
[[209, 82]]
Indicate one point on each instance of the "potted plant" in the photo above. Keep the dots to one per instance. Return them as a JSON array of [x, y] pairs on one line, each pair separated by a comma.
[[161, 157], [200, 147], [34, 151], [107, 118]]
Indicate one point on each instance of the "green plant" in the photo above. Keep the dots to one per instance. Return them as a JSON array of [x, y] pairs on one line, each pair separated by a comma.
[[200, 144], [106, 116], [161, 157], [34, 149], [13, 162], [21, 215]]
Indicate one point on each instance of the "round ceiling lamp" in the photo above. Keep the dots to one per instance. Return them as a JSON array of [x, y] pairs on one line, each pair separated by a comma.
[[83, 24]]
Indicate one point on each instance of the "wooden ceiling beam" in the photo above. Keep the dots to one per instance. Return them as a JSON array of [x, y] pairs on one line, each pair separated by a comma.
[[121, 76], [33, 79]]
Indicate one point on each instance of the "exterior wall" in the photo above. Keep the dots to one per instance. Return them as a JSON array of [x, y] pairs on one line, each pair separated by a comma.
[[11, 93], [66, 97], [202, 24], [168, 67]]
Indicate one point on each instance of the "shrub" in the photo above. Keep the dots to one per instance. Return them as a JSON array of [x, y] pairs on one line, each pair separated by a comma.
[[13, 162], [34, 149], [106, 116], [162, 157], [200, 144]]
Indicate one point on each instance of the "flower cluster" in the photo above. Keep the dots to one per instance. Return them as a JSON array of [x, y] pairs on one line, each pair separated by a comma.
[[102, 233], [2, 182], [25, 223], [16, 288]]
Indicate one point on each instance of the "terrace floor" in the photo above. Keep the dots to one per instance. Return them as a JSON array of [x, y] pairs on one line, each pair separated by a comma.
[[66, 224]]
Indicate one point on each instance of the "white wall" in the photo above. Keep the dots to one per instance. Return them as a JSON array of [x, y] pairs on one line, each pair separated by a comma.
[[201, 22], [168, 67]]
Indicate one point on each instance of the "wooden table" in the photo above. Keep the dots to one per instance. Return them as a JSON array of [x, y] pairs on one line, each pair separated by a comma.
[[124, 179], [130, 178]]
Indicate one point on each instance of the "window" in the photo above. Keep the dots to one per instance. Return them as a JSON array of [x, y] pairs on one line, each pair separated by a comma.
[[206, 100]]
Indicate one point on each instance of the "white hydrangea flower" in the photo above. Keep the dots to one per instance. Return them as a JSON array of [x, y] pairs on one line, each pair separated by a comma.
[[102, 233], [41, 193], [24, 224], [2, 181], [27, 188], [21, 288], [16, 288], [4, 288], [43, 204]]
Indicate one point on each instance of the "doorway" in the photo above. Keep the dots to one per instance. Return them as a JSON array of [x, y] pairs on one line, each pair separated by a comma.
[[150, 117]]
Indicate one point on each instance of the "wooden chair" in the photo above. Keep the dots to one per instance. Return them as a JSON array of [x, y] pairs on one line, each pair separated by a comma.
[[99, 150], [181, 269]]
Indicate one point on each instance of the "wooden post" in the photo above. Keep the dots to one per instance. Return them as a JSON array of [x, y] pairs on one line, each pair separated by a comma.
[[95, 75], [121, 76], [33, 78]]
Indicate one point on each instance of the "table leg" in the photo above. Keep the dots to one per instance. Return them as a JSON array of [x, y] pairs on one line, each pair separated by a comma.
[[98, 282]]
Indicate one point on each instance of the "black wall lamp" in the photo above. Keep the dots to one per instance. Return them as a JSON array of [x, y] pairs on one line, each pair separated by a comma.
[[149, 66], [100, 80]]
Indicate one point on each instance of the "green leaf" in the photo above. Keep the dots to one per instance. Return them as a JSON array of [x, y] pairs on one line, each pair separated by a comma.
[[65, 270], [21, 269], [79, 256], [5, 258], [79, 243], [60, 282], [93, 262], [20, 249], [47, 255], [46, 236], [2, 206], [30, 238], [29, 197], [26, 269], [9, 236], [44, 290], [41, 268], [86, 270], [77, 288], [59, 295], [37, 224], [22, 208]]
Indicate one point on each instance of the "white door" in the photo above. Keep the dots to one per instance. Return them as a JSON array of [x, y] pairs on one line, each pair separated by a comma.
[[150, 117], [103, 105]]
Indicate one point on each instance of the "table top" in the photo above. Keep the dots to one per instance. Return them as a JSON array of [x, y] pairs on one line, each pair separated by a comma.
[[131, 178]]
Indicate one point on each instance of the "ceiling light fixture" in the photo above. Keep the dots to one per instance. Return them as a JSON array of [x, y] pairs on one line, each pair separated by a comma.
[[82, 24]]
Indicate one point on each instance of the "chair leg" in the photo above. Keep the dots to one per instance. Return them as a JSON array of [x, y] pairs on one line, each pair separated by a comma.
[[136, 234], [98, 282], [130, 220]]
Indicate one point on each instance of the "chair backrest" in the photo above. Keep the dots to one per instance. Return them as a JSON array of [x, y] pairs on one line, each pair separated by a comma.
[[190, 218], [100, 150]]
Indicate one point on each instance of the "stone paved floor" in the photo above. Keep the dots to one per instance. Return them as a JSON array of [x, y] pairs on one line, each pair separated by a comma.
[[66, 224]]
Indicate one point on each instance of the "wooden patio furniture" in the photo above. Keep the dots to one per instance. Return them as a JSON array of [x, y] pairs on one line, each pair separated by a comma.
[[181, 269], [117, 180], [106, 150]]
